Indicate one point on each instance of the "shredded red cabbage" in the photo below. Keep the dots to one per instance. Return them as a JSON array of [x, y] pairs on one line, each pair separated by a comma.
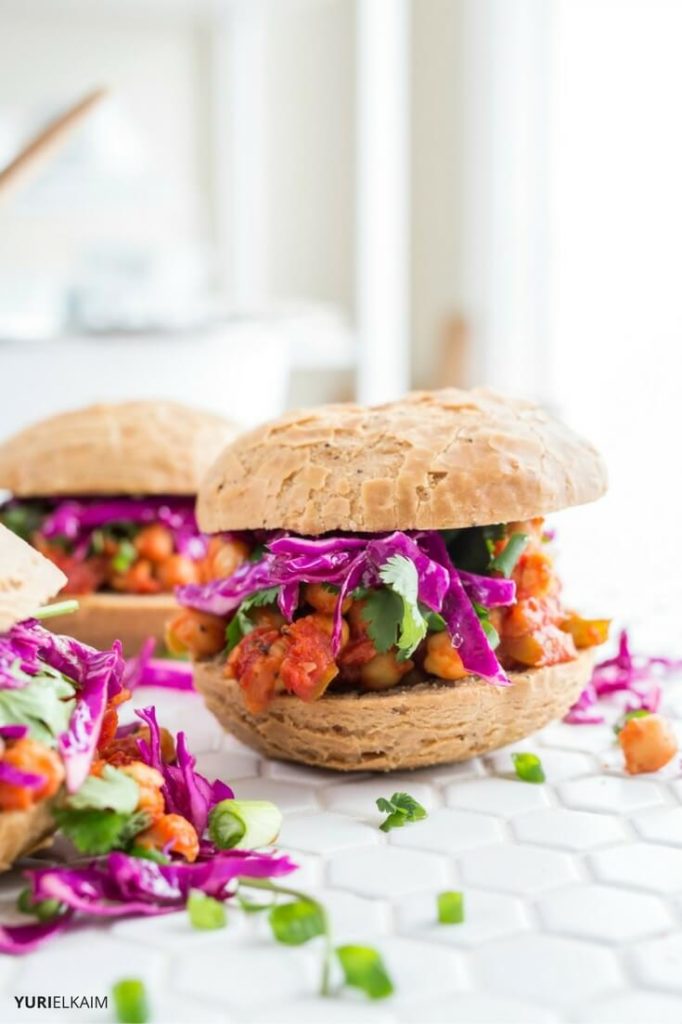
[[636, 675], [13, 732], [185, 790], [16, 777], [24, 938], [348, 562], [77, 519], [145, 670], [119, 885]]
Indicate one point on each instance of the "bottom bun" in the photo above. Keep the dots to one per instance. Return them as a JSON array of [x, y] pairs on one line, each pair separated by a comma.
[[21, 832], [413, 726], [130, 618]]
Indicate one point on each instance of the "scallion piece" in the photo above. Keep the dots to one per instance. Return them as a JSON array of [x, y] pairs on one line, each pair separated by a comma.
[[363, 968], [244, 824], [50, 611], [205, 912], [298, 922], [44, 910], [506, 560], [528, 767], [450, 907], [130, 1001]]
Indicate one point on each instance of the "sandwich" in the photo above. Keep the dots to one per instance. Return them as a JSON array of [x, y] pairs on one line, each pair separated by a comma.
[[396, 602], [58, 702], [107, 494]]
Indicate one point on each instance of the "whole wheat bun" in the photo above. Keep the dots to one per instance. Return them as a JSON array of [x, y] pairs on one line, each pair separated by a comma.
[[27, 579], [409, 726], [153, 447], [130, 618], [433, 460], [21, 832]]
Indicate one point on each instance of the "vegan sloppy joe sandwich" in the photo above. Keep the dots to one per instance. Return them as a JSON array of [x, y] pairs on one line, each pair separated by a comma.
[[57, 703], [107, 494], [396, 602]]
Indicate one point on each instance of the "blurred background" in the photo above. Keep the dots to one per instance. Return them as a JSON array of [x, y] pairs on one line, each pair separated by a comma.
[[286, 202]]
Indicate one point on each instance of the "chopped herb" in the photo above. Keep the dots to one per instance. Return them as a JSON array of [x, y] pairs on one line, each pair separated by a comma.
[[130, 1001], [528, 767], [401, 809], [148, 853], [297, 922], [636, 713], [125, 555], [383, 611], [97, 831], [506, 560], [44, 910], [241, 624], [112, 791], [363, 968], [400, 574], [491, 633], [205, 912], [436, 622], [450, 907]]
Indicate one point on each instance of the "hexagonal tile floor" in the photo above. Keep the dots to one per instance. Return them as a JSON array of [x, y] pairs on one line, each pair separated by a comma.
[[573, 896]]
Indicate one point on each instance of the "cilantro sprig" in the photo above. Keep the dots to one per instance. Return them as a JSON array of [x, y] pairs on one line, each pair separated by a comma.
[[241, 624], [393, 613], [401, 809]]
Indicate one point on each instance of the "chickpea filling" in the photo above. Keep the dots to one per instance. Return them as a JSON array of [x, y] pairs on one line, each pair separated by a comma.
[[124, 545], [377, 626]]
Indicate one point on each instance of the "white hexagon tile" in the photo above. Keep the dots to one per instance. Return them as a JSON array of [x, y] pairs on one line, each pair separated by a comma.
[[572, 894]]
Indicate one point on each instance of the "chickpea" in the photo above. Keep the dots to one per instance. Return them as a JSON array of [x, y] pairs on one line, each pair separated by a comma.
[[201, 634], [178, 570], [223, 558], [325, 623], [149, 782], [173, 832], [647, 743], [270, 617], [322, 599], [442, 658], [139, 579], [155, 543], [383, 671]]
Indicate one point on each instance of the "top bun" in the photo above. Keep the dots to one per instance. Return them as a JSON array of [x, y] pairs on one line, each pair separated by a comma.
[[433, 460], [27, 579], [127, 448]]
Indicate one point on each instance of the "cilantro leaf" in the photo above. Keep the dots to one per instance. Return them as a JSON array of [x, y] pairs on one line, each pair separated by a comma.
[[44, 705], [401, 809], [241, 624], [113, 791], [98, 831], [363, 968], [400, 574], [528, 767], [383, 612]]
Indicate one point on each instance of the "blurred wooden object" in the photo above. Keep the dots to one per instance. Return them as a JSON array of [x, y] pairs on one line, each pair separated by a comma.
[[454, 363], [46, 143]]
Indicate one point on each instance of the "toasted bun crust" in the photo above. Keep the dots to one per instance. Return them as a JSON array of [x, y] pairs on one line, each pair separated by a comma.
[[23, 831], [129, 448], [435, 459], [27, 579], [130, 618], [405, 727]]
